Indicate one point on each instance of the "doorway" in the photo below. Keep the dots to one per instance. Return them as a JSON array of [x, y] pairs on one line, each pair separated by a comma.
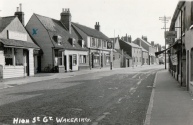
[[188, 66], [70, 62], [65, 67], [39, 64], [26, 62]]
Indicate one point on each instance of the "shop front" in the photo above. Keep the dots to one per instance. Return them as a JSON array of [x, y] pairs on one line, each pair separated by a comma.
[[17, 59]]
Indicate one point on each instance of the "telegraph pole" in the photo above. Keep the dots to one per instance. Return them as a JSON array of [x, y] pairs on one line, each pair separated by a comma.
[[165, 20]]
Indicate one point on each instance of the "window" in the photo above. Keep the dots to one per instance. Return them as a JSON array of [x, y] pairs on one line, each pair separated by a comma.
[[8, 52], [74, 59], [96, 59], [59, 40], [82, 59], [58, 58], [99, 43], [105, 44], [18, 57], [92, 42], [107, 59], [96, 43]]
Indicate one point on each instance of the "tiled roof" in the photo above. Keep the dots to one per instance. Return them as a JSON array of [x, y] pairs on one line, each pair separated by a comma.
[[55, 27], [132, 44], [18, 43], [124, 54], [92, 32], [5, 21], [145, 42], [144, 50]]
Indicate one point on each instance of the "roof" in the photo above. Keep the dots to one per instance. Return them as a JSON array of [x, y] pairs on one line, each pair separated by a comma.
[[132, 44], [176, 12], [5, 21], [124, 54], [145, 41], [144, 50], [55, 27], [18, 43], [92, 32]]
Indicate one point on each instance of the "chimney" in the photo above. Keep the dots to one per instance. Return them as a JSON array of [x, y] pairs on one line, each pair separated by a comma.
[[129, 39], [66, 19], [152, 43], [20, 14], [97, 26], [144, 38]]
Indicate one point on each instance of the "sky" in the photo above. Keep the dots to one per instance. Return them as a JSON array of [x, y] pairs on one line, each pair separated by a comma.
[[116, 17]]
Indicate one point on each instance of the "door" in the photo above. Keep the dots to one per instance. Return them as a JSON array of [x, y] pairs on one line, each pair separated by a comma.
[[65, 63], [92, 60], [26, 62], [70, 62], [39, 64], [188, 66]]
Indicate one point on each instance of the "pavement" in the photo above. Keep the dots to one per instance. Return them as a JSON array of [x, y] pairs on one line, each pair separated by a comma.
[[170, 104]]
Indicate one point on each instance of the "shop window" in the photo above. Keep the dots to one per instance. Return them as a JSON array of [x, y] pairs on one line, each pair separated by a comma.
[[96, 59], [58, 58], [107, 59], [82, 59], [8, 52], [18, 57], [74, 59]]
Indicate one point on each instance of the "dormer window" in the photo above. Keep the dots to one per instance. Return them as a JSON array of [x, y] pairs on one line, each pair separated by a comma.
[[81, 43], [58, 39], [72, 42]]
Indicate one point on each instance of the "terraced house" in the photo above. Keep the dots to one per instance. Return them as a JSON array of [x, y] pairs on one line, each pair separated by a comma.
[[99, 45], [143, 42], [60, 43], [133, 50], [181, 49], [17, 50]]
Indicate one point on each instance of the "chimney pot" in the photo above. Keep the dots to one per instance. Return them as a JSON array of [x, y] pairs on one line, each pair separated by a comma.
[[66, 19], [17, 10], [20, 7], [62, 9]]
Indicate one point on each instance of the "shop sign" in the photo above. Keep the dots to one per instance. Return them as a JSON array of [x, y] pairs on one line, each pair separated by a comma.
[[109, 45], [169, 41], [170, 34], [174, 59], [17, 35]]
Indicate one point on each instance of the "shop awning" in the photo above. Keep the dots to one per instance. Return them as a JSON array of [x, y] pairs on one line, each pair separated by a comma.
[[177, 43], [18, 43]]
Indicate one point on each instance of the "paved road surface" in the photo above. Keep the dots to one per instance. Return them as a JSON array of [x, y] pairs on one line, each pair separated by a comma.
[[104, 98]]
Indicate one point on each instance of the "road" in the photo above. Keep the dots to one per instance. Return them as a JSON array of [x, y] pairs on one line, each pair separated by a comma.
[[103, 98]]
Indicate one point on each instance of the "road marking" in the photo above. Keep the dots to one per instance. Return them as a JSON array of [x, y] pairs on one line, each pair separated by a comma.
[[100, 118], [135, 75], [150, 107]]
